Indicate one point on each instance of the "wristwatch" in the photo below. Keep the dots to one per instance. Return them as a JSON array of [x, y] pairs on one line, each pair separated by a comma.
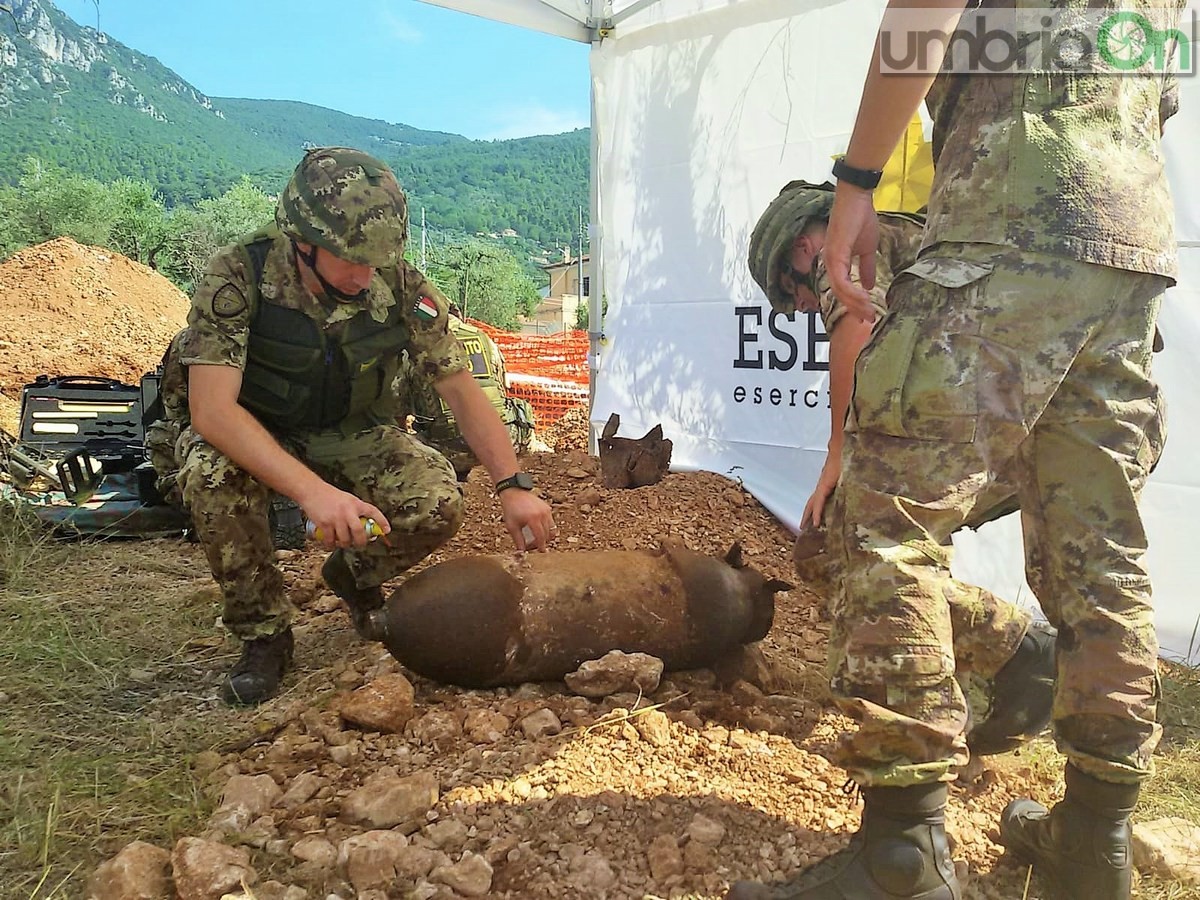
[[522, 481], [867, 179]]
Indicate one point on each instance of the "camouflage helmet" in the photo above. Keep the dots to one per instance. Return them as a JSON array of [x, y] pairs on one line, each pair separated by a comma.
[[348, 203], [771, 242]]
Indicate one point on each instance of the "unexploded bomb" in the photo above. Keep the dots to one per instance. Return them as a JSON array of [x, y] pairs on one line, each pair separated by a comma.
[[482, 621]]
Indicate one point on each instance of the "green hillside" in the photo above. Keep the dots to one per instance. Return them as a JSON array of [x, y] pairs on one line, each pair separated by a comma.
[[80, 100], [533, 185], [288, 123]]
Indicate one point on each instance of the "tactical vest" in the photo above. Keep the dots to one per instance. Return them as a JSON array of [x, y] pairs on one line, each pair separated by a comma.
[[300, 377], [434, 418]]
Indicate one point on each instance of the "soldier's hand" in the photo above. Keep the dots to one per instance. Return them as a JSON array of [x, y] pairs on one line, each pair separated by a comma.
[[528, 518], [814, 509], [852, 236], [338, 516]]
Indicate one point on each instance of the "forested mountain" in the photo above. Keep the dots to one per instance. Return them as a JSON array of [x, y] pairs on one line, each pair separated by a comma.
[[289, 125], [75, 98], [533, 185]]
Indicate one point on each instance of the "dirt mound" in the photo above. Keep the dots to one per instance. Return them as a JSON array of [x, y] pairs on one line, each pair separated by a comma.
[[70, 309]]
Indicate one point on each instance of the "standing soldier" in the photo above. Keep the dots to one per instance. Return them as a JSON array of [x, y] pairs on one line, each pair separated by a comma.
[[294, 337], [1006, 661], [1018, 344]]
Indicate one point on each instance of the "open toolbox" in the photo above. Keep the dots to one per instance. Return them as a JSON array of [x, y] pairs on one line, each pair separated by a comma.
[[101, 416]]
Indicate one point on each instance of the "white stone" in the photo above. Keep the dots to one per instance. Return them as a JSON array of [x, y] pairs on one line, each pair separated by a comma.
[[1168, 848], [140, 871], [470, 876]]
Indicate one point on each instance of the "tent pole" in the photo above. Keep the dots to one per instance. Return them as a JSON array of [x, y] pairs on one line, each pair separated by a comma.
[[595, 246]]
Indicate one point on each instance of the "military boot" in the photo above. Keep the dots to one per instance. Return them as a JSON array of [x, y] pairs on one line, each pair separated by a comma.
[[1082, 847], [900, 853], [360, 601], [256, 675], [1022, 695]]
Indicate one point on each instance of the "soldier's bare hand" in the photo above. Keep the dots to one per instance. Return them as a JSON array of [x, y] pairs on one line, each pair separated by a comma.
[[852, 237], [528, 518], [814, 509], [338, 517]]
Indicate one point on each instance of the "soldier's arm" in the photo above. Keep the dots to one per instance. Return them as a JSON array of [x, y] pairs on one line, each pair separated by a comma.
[[488, 439], [479, 423], [847, 336], [227, 425], [845, 343], [846, 340], [888, 104]]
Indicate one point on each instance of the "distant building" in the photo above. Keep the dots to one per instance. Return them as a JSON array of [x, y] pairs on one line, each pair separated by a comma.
[[560, 309]]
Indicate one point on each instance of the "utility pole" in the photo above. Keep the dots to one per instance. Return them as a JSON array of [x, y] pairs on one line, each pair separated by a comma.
[[579, 238], [422, 239]]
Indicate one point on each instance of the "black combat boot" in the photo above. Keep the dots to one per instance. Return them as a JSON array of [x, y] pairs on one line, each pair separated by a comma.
[[1082, 847], [899, 853], [1022, 695], [361, 601], [255, 676]]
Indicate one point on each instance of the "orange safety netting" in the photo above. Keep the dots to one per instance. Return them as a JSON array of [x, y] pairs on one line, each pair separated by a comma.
[[548, 370]]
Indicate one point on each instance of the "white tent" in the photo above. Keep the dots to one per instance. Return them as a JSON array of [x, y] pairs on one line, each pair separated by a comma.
[[701, 111]]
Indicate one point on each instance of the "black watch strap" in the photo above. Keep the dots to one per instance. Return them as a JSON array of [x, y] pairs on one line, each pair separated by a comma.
[[867, 179], [521, 480]]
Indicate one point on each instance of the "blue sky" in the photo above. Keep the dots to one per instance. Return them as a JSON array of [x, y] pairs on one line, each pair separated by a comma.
[[396, 60]]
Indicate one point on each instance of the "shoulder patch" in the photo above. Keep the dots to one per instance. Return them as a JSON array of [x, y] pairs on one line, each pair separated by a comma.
[[228, 302], [425, 308]]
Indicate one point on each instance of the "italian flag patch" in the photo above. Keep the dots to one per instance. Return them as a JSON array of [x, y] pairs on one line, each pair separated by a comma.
[[425, 308]]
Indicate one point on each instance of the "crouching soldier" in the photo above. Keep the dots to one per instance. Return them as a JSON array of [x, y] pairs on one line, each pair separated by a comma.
[[283, 382], [433, 421], [1005, 660]]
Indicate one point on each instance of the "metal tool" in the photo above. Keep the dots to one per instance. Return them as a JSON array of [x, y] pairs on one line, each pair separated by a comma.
[[77, 474]]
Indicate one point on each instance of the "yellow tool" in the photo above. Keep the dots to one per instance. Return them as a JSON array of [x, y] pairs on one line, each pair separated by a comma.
[[369, 525]]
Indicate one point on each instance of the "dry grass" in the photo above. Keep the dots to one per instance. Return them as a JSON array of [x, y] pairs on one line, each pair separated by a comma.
[[93, 667], [1176, 789]]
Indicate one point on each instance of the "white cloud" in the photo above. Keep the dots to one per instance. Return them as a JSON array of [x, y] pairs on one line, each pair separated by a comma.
[[399, 28], [530, 119]]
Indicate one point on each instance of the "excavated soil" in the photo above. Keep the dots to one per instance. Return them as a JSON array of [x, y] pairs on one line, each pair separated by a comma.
[[712, 777], [70, 309]]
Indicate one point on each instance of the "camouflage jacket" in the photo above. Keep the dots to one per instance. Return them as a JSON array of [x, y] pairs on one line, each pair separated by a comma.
[[1064, 164], [899, 242], [417, 397]]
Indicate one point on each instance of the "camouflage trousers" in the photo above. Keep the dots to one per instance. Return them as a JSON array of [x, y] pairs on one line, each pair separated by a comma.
[[1038, 367], [987, 630], [410, 482]]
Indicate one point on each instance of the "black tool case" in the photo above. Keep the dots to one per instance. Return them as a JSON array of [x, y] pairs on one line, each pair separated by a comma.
[[100, 415]]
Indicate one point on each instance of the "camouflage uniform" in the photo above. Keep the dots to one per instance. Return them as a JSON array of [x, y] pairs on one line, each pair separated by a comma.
[[370, 457], [433, 421], [1020, 342], [899, 243], [987, 630]]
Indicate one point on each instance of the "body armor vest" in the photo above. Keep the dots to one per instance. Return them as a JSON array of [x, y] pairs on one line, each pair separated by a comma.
[[432, 419], [301, 377], [436, 419]]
